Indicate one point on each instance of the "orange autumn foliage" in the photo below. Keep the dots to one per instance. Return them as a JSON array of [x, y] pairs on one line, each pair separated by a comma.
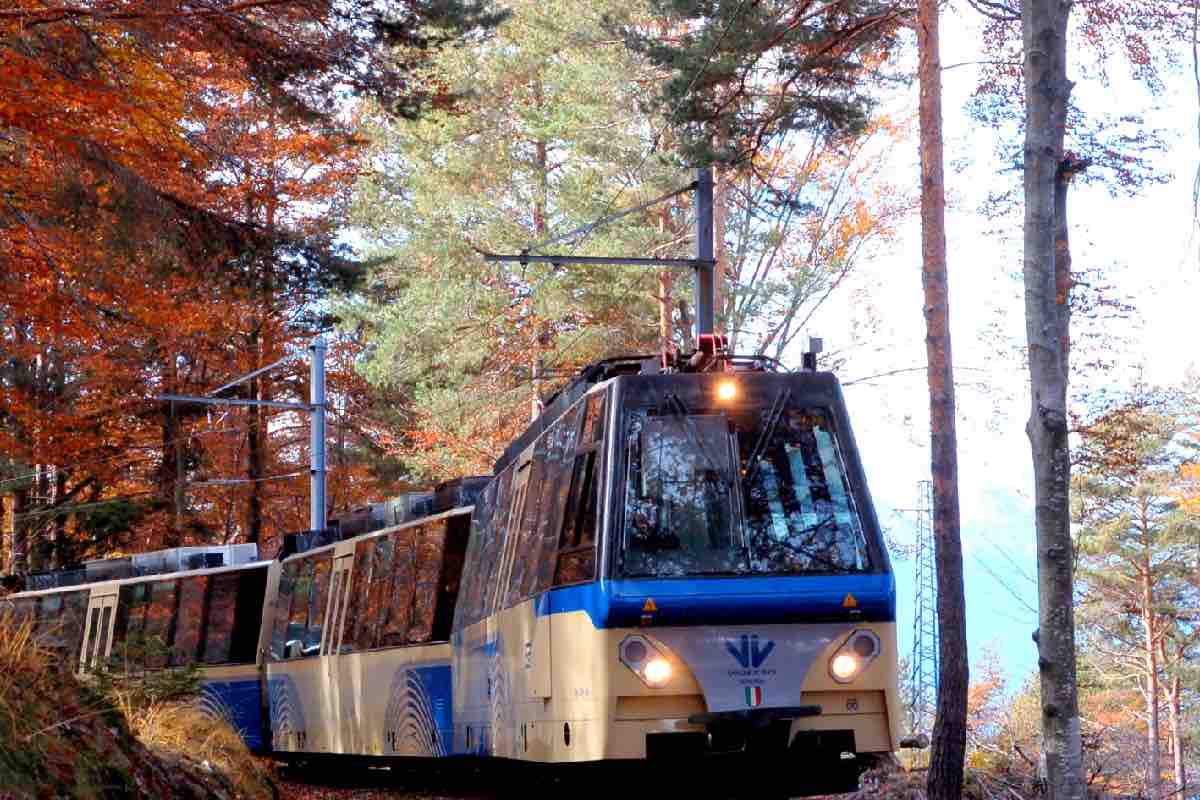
[[169, 186]]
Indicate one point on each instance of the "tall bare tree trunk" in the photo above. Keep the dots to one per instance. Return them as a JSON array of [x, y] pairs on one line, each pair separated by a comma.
[[1179, 769], [5, 534], [664, 309], [950, 726], [60, 520], [256, 441], [1153, 728], [1044, 27], [19, 564]]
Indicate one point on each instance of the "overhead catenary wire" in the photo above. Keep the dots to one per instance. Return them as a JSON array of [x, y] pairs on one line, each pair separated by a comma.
[[235, 481], [118, 456]]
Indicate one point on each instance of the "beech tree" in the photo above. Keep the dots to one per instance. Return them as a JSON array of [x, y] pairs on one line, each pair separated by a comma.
[[119, 254], [1047, 321]]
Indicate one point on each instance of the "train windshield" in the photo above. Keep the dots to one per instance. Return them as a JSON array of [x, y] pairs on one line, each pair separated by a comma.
[[751, 491]]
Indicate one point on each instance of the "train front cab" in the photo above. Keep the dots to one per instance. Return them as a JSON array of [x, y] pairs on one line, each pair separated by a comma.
[[671, 574]]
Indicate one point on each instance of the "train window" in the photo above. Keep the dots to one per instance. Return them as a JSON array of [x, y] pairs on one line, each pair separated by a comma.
[[318, 596], [49, 622], [360, 573], [247, 619], [160, 614], [283, 604], [222, 604], [399, 608], [523, 572], [492, 546], [754, 490], [355, 633], [593, 422], [576, 559], [102, 635], [469, 585], [189, 622], [378, 592], [431, 545], [298, 612], [560, 455], [74, 614], [94, 627], [458, 530], [801, 515], [129, 646]]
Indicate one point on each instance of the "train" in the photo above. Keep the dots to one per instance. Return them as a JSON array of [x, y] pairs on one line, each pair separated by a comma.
[[669, 566]]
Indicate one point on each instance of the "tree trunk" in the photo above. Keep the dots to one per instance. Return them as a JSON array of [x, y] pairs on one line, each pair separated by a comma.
[[1153, 755], [1044, 27], [19, 564], [256, 464], [664, 310], [5, 534], [60, 554], [169, 472], [950, 726], [1174, 722], [665, 283]]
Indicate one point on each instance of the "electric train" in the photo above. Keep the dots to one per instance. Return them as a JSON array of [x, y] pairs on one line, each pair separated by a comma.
[[676, 568]]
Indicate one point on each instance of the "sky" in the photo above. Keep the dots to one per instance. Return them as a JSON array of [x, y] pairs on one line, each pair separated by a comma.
[[1146, 249]]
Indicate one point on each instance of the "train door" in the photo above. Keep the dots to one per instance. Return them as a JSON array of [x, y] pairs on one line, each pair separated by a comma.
[[331, 645], [97, 633]]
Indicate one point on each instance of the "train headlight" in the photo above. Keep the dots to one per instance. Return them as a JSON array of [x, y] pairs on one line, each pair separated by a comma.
[[657, 671], [726, 390], [859, 650], [646, 660], [843, 666]]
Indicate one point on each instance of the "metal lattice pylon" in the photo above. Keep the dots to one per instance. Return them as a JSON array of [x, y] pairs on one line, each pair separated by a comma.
[[924, 675]]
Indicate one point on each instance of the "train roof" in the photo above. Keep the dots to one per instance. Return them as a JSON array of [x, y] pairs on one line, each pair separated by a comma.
[[155, 562], [150, 577], [601, 371], [317, 546]]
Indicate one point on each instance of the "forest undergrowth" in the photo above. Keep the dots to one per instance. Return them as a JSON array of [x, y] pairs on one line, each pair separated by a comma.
[[62, 738]]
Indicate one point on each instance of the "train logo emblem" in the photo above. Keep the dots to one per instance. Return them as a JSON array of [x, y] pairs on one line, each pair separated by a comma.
[[750, 653]]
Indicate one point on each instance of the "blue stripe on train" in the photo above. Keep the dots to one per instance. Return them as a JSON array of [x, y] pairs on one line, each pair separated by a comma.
[[439, 688], [742, 601], [239, 703]]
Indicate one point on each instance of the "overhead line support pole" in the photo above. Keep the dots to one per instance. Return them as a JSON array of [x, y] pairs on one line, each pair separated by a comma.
[[315, 406], [316, 513], [705, 264]]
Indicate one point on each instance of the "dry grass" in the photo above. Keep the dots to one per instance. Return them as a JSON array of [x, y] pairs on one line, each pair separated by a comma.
[[181, 731], [63, 738]]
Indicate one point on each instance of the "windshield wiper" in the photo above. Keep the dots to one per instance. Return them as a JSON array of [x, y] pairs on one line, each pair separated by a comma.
[[768, 431]]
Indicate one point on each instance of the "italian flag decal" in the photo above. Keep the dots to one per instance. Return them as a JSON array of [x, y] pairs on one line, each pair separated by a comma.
[[753, 696]]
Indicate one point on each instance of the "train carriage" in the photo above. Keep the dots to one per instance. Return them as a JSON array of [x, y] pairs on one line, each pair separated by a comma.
[[159, 611], [681, 566], [359, 656]]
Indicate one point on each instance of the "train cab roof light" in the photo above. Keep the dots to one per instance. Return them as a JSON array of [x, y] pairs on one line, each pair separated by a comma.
[[727, 390], [808, 359]]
